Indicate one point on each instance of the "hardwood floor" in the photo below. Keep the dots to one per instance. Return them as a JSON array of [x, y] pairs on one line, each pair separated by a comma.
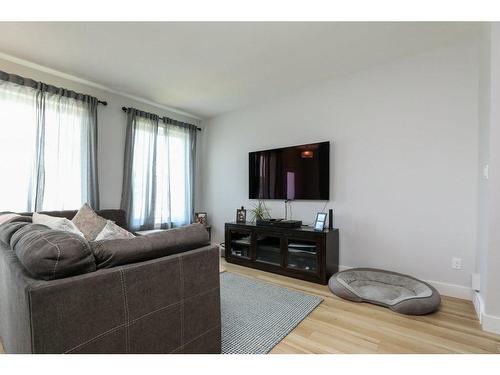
[[339, 326]]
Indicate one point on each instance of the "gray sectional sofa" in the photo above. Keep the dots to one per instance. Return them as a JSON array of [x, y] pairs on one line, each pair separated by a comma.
[[168, 304]]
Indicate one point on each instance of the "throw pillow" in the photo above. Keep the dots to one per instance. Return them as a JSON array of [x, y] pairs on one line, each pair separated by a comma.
[[113, 232], [4, 217], [49, 254], [56, 223], [88, 222]]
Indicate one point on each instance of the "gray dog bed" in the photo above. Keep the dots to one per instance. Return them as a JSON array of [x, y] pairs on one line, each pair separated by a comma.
[[401, 293]]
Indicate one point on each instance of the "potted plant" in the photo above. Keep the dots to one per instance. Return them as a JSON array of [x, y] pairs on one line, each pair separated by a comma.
[[259, 211]]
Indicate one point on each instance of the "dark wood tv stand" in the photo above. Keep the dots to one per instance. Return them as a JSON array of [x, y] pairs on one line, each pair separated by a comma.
[[302, 253]]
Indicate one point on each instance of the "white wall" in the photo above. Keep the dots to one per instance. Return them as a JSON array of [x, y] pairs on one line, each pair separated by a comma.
[[484, 158], [111, 128], [404, 161], [489, 257]]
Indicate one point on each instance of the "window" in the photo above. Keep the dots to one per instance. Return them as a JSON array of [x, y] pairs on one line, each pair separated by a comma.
[[17, 145], [158, 188], [47, 150]]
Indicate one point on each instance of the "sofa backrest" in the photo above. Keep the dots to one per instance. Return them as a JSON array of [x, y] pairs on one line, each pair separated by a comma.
[[116, 215]]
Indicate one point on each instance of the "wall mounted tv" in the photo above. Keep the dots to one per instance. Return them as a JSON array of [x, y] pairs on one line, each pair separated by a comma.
[[298, 172]]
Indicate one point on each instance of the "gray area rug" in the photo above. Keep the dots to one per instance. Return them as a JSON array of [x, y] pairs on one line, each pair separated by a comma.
[[257, 315]]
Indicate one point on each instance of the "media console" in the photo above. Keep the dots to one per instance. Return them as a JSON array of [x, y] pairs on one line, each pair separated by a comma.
[[302, 252]]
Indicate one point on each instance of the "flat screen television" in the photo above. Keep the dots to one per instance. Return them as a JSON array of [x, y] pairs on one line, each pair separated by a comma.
[[297, 172]]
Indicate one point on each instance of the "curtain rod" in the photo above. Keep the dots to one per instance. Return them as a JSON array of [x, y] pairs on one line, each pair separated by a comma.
[[29, 82], [124, 109]]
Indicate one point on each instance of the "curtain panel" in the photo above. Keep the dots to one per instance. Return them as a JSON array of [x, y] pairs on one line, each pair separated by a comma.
[[159, 165], [48, 146]]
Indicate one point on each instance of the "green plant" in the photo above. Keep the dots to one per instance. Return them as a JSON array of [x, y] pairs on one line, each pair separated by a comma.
[[259, 211]]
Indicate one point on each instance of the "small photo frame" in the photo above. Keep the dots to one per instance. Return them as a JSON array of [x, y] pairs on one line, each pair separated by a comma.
[[241, 215], [200, 218], [320, 222]]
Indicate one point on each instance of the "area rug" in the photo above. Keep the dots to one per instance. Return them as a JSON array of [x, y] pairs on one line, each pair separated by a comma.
[[257, 315]]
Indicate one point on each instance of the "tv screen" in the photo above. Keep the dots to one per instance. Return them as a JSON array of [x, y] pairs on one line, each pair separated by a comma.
[[298, 172]]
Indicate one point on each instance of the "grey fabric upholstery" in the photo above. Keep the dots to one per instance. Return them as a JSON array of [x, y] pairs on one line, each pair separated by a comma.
[[165, 305], [401, 293], [9, 228], [50, 254], [113, 253]]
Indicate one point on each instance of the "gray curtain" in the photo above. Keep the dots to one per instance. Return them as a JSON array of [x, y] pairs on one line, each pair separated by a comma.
[[139, 177], [159, 168], [190, 131], [62, 173]]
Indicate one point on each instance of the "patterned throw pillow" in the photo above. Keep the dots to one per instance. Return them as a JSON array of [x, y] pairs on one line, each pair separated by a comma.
[[88, 222], [113, 232], [57, 223]]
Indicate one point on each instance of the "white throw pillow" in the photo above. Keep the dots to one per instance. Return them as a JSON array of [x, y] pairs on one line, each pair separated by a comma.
[[113, 232], [57, 223]]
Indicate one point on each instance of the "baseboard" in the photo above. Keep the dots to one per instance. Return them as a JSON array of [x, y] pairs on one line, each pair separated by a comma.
[[478, 303], [490, 323], [452, 290], [446, 289]]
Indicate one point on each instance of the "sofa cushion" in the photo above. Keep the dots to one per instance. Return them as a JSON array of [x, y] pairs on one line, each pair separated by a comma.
[[111, 231], [156, 245], [56, 223], [88, 222], [9, 228], [51, 254]]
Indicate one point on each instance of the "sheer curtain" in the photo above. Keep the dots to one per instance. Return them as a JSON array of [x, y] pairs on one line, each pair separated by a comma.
[[18, 128], [158, 184], [48, 146], [68, 154]]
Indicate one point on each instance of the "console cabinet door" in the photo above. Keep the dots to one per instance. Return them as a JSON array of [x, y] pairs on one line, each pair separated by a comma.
[[304, 255], [239, 243], [268, 248]]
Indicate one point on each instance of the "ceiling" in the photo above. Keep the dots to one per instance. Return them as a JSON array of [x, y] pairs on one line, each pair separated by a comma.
[[207, 69]]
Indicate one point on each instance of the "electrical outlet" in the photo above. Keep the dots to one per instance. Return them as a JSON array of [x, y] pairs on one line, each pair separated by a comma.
[[456, 263]]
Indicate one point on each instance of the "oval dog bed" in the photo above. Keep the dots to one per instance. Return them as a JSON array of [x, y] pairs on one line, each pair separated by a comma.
[[401, 293]]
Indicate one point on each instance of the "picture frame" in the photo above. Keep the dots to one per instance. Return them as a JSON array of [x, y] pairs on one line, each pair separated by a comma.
[[201, 218], [241, 215], [320, 222]]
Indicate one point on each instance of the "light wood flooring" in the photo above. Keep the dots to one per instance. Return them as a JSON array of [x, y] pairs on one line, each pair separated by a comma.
[[339, 326]]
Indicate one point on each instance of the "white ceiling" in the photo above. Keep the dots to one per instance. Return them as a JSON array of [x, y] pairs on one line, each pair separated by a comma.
[[210, 68]]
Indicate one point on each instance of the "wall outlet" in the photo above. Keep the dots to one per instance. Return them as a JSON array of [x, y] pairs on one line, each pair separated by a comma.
[[456, 263]]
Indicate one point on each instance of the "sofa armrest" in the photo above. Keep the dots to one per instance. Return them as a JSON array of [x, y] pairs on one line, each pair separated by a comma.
[[15, 322], [165, 305]]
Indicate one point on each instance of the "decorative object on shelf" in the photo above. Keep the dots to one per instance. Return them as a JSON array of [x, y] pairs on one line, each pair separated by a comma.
[[201, 218], [330, 219], [319, 223], [241, 215], [259, 211]]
